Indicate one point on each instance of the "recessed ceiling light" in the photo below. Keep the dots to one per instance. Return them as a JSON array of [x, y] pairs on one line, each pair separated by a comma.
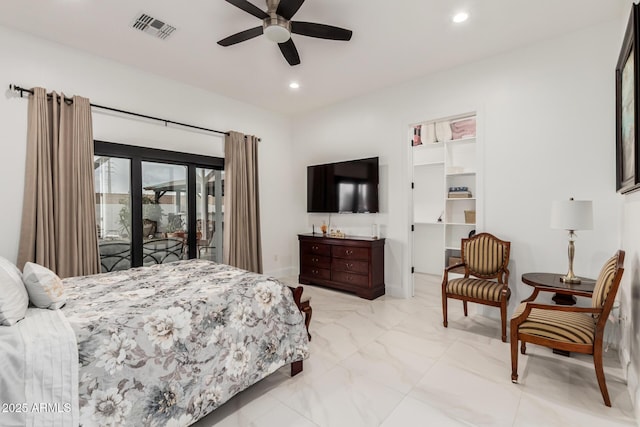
[[294, 85], [460, 17]]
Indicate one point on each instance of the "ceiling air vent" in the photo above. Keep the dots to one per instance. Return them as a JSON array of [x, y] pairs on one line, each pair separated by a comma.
[[153, 26]]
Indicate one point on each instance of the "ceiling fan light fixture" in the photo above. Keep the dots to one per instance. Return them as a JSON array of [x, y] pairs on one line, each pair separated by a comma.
[[277, 34], [276, 29]]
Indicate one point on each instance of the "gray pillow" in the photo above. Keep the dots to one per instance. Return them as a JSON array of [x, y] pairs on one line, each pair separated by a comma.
[[14, 299]]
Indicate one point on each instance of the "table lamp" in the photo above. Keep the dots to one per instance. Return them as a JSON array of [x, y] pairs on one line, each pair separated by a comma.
[[572, 215]]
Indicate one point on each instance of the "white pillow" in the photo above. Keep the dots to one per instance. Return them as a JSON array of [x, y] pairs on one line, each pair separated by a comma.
[[44, 286], [14, 299]]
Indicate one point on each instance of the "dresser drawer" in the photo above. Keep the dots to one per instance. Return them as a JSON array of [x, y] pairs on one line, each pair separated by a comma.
[[350, 278], [347, 252], [315, 248], [341, 264], [348, 264], [315, 272], [317, 261]]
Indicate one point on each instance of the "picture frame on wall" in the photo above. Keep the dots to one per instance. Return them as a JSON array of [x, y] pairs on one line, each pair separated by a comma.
[[627, 95]]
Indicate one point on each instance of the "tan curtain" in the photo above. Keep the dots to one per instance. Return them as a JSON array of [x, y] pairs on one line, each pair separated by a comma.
[[58, 214], [242, 246]]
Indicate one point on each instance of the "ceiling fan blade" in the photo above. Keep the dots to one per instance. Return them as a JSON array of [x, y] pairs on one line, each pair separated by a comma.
[[290, 52], [241, 36], [288, 8], [320, 31], [249, 8]]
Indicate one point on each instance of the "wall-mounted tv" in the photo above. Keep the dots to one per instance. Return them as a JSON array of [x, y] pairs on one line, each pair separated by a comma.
[[343, 187]]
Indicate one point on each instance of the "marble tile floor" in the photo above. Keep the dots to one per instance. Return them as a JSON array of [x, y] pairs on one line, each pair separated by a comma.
[[390, 362]]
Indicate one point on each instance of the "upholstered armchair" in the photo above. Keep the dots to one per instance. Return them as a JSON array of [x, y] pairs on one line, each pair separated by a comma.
[[485, 259], [570, 328]]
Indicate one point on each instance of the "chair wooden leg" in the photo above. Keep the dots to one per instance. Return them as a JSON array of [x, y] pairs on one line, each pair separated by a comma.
[[464, 306], [308, 312], [444, 310], [597, 361], [523, 348], [514, 354], [503, 316]]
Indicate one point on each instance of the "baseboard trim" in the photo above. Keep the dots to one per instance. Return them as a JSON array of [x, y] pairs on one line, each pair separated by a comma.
[[395, 291], [633, 388]]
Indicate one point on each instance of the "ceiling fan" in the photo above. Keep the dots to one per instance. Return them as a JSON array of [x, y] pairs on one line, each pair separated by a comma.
[[277, 26]]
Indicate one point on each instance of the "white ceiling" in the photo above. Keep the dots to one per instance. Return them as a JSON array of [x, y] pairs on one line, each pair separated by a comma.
[[393, 41]]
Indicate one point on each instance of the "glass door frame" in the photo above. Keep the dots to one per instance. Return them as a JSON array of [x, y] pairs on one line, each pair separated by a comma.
[[137, 155]]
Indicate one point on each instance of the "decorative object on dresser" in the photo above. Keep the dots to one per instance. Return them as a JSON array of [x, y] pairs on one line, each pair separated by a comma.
[[354, 264], [485, 260]]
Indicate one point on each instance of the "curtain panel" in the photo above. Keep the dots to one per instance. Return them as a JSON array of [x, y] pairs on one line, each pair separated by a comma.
[[58, 216], [242, 243]]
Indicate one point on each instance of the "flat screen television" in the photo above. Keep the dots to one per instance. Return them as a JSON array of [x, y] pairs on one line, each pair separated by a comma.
[[343, 187]]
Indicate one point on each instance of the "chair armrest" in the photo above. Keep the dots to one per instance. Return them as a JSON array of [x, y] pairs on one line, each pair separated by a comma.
[[566, 308], [516, 321], [451, 267]]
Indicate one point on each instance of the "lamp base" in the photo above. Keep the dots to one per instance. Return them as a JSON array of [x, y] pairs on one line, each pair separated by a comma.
[[570, 279]]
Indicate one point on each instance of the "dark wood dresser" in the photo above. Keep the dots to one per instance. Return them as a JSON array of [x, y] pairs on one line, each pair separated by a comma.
[[354, 264]]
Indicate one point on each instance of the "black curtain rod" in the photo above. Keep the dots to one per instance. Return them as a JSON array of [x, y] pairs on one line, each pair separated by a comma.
[[165, 121]]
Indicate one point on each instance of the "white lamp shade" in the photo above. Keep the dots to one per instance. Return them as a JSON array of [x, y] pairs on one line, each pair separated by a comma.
[[572, 215]]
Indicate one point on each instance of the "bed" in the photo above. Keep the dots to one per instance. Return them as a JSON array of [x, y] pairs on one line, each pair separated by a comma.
[[159, 345]]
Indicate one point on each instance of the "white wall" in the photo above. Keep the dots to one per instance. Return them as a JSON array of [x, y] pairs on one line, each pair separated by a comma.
[[548, 135], [630, 286], [28, 61], [630, 295]]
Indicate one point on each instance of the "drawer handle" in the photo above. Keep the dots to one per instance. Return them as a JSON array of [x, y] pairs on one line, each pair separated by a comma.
[[349, 265], [349, 277], [314, 271], [315, 248], [314, 259], [349, 252]]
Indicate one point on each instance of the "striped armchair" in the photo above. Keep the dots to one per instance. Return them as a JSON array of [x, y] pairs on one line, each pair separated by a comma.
[[569, 328], [485, 259]]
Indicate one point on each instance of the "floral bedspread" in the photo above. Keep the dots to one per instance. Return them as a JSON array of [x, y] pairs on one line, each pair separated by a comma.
[[167, 344]]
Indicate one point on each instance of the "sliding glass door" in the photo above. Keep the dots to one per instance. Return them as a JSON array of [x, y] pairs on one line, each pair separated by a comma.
[[164, 213], [209, 213], [113, 211], [157, 206]]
